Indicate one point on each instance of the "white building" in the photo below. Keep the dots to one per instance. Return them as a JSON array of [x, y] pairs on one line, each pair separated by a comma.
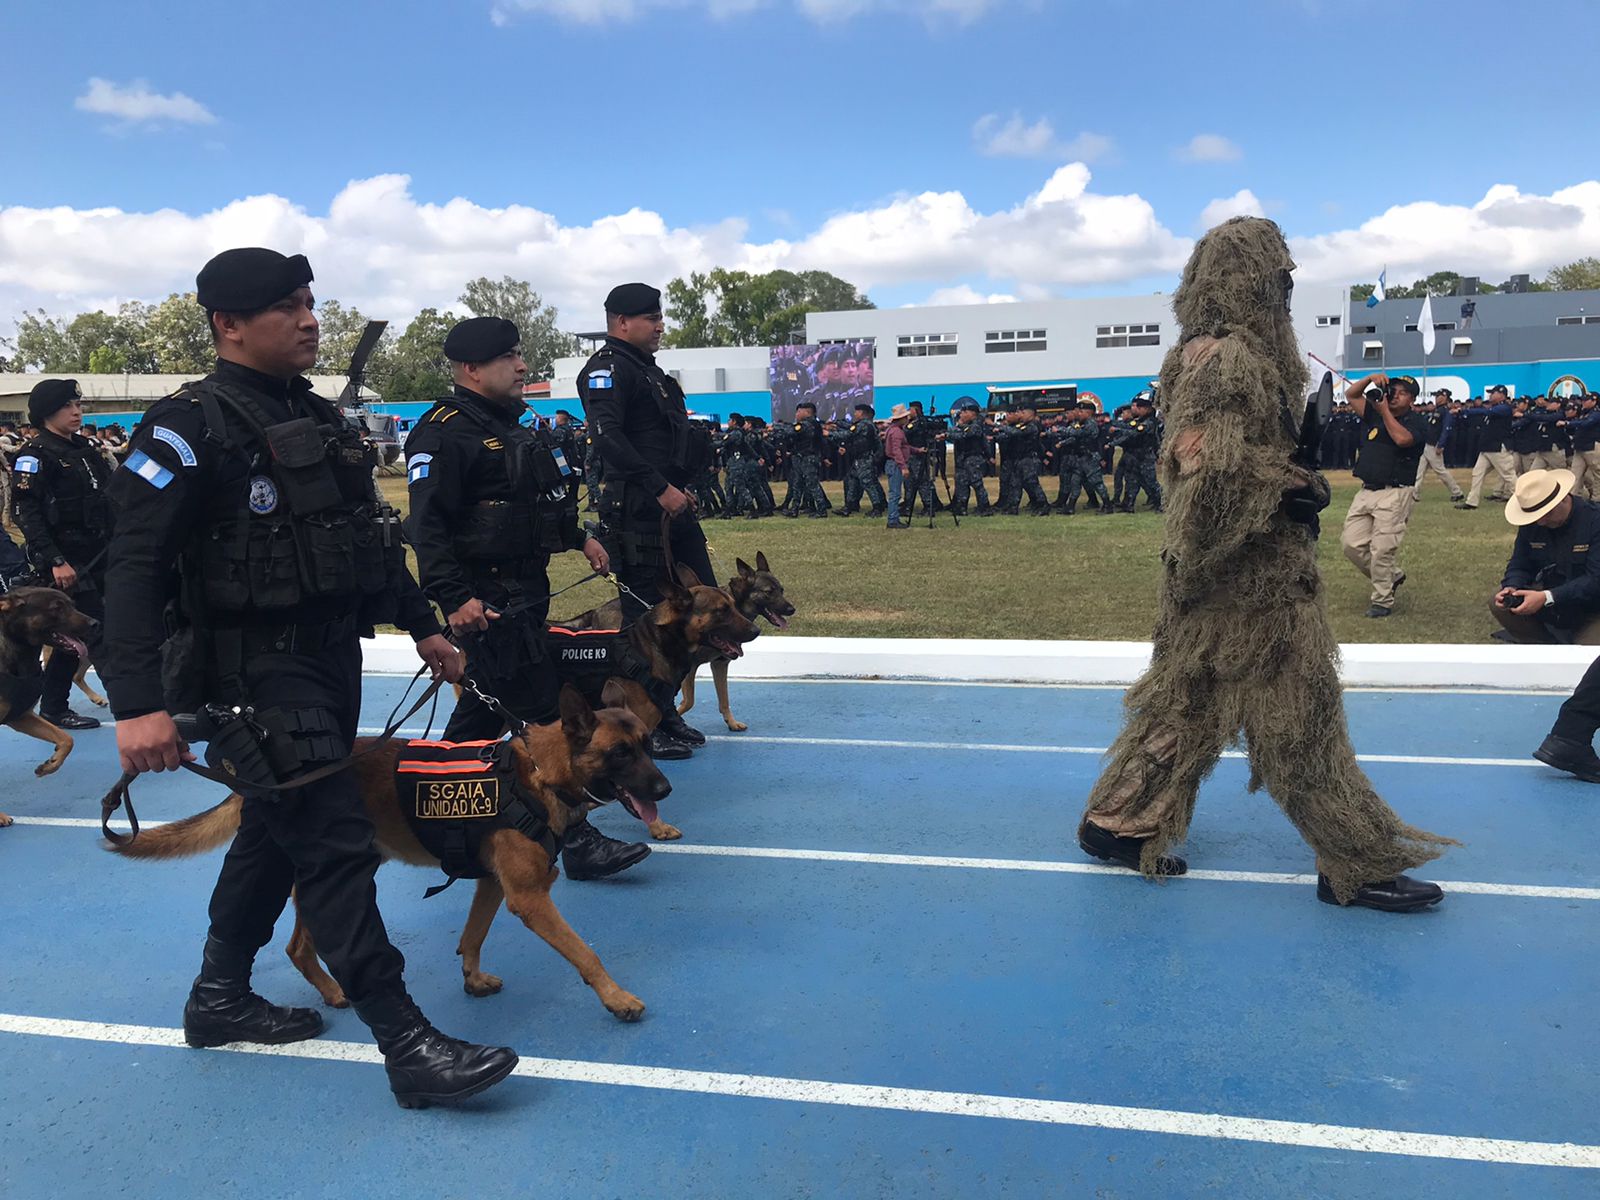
[[1109, 346]]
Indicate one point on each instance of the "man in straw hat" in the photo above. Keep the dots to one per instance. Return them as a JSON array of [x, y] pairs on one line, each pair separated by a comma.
[[1551, 590], [897, 461]]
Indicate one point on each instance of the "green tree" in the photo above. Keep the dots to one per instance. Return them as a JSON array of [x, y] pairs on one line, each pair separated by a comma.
[[1582, 275], [414, 367], [516, 301], [177, 338], [736, 308], [42, 344]]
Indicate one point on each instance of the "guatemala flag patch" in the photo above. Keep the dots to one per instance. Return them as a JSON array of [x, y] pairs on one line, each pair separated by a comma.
[[148, 469], [27, 465], [599, 380], [417, 467]]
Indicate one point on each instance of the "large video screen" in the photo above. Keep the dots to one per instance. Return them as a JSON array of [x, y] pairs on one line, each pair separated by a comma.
[[835, 378]]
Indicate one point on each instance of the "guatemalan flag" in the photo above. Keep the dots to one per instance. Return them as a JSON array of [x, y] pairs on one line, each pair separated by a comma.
[[1377, 290]]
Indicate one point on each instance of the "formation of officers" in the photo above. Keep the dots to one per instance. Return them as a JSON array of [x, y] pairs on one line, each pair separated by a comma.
[[734, 467]]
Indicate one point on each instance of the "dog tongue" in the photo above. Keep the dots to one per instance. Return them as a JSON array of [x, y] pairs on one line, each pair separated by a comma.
[[68, 642], [647, 810], [778, 619]]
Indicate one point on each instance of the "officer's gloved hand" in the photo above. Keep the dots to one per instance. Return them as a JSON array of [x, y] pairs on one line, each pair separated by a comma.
[[1308, 497]]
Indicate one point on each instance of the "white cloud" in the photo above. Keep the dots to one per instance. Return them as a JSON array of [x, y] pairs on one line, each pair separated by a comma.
[[1242, 203], [378, 247], [965, 294], [598, 12], [1015, 138], [136, 104], [1505, 232], [1209, 148]]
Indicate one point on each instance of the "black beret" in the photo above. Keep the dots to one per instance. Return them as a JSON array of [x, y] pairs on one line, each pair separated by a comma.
[[916, 404], [478, 339], [248, 279], [863, 407], [811, 404], [633, 300], [968, 404], [50, 396]]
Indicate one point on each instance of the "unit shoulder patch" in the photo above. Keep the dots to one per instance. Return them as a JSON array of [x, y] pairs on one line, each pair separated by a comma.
[[174, 439]]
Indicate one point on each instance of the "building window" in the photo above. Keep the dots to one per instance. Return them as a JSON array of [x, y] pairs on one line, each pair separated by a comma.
[[1111, 337], [926, 345], [1009, 341], [1411, 327], [1578, 320], [851, 341], [1363, 329], [1329, 322]]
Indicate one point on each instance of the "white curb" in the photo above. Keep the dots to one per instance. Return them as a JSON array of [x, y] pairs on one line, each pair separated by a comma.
[[1492, 665]]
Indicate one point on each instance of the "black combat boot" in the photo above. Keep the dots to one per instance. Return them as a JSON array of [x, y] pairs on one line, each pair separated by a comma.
[[586, 853], [678, 730], [223, 1009], [425, 1067]]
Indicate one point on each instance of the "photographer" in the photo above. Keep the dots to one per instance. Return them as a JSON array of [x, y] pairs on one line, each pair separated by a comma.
[[1388, 455], [1551, 590]]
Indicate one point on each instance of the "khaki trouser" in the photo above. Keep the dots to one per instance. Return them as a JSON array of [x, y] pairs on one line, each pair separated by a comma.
[[1547, 460], [1531, 631], [1433, 459], [1503, 463], [1586, 473], [1373, 530]]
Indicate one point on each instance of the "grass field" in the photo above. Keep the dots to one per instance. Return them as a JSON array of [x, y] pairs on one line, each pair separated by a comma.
[[1082, 577]]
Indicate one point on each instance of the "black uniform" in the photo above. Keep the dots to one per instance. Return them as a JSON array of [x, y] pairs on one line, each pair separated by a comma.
[[640, 423], [922, 434], [59, 488], [287, 559], [490, 503]]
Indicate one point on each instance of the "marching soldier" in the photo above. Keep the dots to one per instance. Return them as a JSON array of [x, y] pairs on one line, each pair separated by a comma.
[[1141, 441], [641, 427], [1021, 448], [805, 471], [862, 444], [972, 455], [59, 480], [260, 496], [491, 502], [927, 451], [1078, 460]]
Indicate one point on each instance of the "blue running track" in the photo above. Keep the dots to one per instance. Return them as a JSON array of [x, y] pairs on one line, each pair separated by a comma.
[[876, 966]]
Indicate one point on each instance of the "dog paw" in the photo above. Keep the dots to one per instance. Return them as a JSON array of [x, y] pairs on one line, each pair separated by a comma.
[[48, 767], [482, 984], [736, 726], [98, 701], [663, 832], [4, 820], [625, 1006]]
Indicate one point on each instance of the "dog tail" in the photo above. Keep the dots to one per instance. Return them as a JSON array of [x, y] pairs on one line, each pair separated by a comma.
[[192, 835]]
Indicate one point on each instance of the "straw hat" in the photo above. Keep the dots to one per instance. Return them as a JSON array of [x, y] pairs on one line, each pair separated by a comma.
[[1537, 493], [899, 413]]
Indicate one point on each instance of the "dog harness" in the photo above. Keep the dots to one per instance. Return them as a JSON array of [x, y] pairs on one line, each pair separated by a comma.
[[455, 794], [586, 658]]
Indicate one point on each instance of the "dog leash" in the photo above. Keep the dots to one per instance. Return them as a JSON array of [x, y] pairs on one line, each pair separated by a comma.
[[121, 793]]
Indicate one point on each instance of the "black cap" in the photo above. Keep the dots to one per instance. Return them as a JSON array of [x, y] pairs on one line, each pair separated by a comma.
[[1144, 400], [1442, 392], [811, 404], [863, 406], [1499, 387], [967, 404], [248, 279], [50, 396], [478, 339], [916, 404], [633, 300]]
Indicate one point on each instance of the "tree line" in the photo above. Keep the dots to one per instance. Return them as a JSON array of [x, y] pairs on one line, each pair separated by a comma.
[[1579, 276]]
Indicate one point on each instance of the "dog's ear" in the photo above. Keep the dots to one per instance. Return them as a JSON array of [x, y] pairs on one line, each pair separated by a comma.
[[577, 717], [614, 695], [744, 567], [674, 599], [761, 562], [687, 577]]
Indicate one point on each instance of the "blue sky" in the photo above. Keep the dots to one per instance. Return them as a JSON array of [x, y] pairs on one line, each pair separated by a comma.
[[781, 115]]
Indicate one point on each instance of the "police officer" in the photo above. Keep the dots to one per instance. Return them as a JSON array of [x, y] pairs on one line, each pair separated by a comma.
[[972, 455], [1078, 440], [805, 470], [863, 446], [641, 426], [927, 451], [1441, 422], [491, 501], [1020, 452], [59, 480], [260, 495]]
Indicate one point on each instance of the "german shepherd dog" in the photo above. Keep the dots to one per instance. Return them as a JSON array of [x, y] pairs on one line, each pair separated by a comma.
[[756, 593], [587, 756], [32, 618], [691, 620]]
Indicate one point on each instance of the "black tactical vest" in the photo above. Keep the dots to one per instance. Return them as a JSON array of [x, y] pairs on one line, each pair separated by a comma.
[[309, 530]]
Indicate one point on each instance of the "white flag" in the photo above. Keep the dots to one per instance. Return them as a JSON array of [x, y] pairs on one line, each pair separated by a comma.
[[1425, 325]]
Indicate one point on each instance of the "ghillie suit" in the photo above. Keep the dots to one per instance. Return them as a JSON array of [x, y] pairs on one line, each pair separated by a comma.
[[1242, 643]]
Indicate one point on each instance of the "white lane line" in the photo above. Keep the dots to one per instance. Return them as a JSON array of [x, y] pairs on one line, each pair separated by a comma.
[[1051, 866], [752, 739], [897, 1099], [1025, 748], [1041, 866]]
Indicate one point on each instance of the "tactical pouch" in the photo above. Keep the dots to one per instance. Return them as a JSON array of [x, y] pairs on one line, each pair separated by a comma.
[[329, 555], [546, 472], [299, 739], [498, 529], [300, 461], [697, 451], [236, 747], [250, 564]]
